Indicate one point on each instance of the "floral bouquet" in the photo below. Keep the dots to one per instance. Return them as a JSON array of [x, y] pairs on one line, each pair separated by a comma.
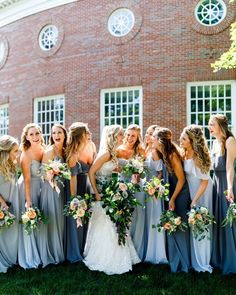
[[55, 172], [6, 218], [79, 208], [119, 202], [230, 215], [156, 189], [32, 218], [170, 222], [134, 169], [199, 220]]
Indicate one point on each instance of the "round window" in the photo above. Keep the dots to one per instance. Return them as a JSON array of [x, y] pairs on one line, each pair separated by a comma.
[[48, 37], [121, 22], [210, 12]]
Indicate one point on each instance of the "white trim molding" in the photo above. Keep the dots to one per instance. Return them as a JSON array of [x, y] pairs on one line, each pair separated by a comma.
[[13, 10]]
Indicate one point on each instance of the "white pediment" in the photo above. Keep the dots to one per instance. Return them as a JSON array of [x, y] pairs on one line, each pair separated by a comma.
[[12, 10]]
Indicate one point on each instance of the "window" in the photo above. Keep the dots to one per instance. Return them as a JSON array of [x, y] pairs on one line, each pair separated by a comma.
[[210, 12], [208, 98], [121, 106], [48, 111], [121, 22], [4, 119], [48, 37]]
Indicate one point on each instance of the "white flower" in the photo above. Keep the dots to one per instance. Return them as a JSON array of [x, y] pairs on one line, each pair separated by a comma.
[[25, 218], [203, 210]]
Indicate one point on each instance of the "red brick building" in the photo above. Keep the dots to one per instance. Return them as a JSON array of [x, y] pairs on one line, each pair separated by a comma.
[[105, 62]]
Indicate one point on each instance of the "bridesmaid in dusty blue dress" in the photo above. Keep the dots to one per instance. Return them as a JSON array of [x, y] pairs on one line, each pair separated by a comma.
[[178, 242], [9, 199], [197, 164], [155, 242], [80, 155], [224, 179], [52, 203], [132, 147], [30, 191]]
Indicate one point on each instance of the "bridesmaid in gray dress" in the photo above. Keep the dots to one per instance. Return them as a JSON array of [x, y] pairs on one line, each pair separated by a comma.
[[132, 147], [52, 203], [178, 242], [197, 164], [224, 179], [155, 242], [32, 146], [80, 154], [9, 194]]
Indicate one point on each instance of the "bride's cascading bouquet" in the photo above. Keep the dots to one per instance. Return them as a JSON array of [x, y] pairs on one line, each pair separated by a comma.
[[199, 220], [170, 222], [80, 208], [156, 189], [54, 172], [7, 219], [119, 202], [134, 170], [32, 218]]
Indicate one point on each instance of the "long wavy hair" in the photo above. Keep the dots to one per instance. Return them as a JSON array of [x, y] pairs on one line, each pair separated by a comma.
[[167, 146], [153, 127], [198, 143], [51, 141], [76, 135], [7, 168], [111, 133], [138, 144], [222, 121], [25, 143]]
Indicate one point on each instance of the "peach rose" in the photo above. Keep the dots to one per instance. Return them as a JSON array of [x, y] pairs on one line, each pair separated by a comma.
[[31, 214], [167, 225], [178, 220], [122, 187], [191, 220], [199, 216], [2, 215]]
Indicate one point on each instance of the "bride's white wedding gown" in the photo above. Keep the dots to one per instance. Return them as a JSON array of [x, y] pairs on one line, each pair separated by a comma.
[[102, 251]]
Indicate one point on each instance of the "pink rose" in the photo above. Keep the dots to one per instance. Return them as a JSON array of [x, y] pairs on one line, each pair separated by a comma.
[[135, 178], [122, 187]]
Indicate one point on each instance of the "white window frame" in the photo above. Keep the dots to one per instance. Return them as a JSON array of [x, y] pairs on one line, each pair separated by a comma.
[[115, 90], [214, 83], [51, 121], [4, 130]]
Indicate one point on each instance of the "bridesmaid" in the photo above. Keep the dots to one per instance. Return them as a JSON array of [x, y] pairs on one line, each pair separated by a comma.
[[224, 179], [9, 192], [154, 240], [178, 242], [132, 147], [80, 155], [197, 163], [52, 203], [32, 146]]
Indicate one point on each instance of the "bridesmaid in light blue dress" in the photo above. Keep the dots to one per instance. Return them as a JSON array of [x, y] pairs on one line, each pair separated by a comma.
[[80, 155], [132, 147], [9, 194], [51, 246], [30, 191], [155, 242], [197, 165], [224, 179], [179, 241]]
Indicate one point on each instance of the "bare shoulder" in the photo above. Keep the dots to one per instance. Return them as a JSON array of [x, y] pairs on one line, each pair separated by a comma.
[[73, 160]]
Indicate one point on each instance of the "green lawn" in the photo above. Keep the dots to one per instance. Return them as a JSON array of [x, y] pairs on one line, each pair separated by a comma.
[[144, 279]]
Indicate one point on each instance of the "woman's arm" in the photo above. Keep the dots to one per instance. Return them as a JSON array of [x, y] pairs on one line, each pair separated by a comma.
[[201, 189], [230, 158], [179, 172], [47, 155], [94, 168], [25, 162], [73, 181], [3, 202]]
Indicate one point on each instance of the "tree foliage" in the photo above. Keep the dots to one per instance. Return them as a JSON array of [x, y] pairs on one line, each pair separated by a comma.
[[228, 59]]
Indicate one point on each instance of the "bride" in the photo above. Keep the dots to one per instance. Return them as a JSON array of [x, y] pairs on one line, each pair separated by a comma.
[[102, 251]]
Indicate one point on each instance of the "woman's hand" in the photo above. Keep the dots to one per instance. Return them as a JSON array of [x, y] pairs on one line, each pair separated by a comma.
[[98, 197], [28, 204], [230, 196], [193, 204], [171, 205]]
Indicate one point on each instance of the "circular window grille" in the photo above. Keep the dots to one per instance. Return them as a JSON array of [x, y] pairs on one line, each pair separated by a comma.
[[210, 12], [121, 22], [48, 37], [2, 51]]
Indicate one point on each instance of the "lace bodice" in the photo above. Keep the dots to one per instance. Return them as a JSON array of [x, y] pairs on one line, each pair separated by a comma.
[[106, 169]]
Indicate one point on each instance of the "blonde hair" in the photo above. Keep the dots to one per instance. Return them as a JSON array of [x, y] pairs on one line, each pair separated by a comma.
[[111, 134], [153, 127], [198, 142], [138, 144], [167, 146], [7, 168], [25, 143], [75, 138], [222, 121]]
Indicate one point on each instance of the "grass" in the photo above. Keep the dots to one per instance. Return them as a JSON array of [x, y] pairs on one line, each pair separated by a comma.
[[145, 279]]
